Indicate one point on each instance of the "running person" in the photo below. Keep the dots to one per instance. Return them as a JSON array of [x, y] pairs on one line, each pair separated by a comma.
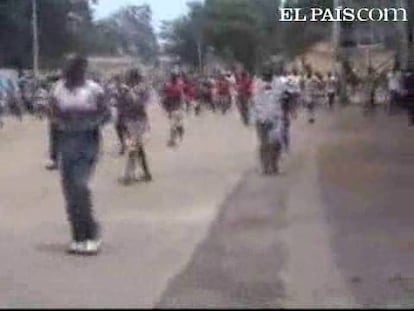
[[312, 96], [267, 114], [172, 102], [223, 87], [189, 91], [133, 99]]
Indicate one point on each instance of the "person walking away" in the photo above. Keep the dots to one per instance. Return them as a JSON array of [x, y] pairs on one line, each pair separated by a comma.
[[79, 110], [172, 102], [267, 115], [133, 100]]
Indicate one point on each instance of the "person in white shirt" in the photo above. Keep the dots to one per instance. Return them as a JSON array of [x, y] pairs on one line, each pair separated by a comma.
[[267, 114], [290, 99], [394, 89], [331, 88], [79, 110], [233, 86], [294, 88]]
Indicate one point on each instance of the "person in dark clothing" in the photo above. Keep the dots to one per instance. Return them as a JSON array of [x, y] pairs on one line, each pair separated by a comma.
[[244, 96], [408, 97], [53, 133], [79, 110]]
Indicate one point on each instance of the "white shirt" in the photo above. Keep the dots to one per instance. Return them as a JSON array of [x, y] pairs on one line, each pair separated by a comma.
[[267, 99], [394, 82], [293, 84], [41, 97], [331, 85], [82, 98], [81, 102]]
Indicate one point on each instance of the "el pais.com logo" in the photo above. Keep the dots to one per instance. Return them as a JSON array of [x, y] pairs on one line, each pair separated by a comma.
[[343, 14]]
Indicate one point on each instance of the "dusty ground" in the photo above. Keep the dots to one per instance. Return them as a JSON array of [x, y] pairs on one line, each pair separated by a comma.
[[334, 230]]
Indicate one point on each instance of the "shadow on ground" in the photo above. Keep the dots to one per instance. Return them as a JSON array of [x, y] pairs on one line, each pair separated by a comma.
[[238, 264]]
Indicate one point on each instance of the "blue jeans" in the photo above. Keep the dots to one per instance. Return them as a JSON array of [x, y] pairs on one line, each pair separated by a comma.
[[79, 153]]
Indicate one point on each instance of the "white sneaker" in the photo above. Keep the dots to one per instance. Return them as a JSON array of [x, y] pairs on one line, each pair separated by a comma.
[[85, 248], [92, 247], [76, 247]]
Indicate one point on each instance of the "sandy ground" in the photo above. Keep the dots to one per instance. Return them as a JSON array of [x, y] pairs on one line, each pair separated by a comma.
[[333, 230]]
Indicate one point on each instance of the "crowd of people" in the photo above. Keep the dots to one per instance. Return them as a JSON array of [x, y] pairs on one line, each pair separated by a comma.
[[77, 107]]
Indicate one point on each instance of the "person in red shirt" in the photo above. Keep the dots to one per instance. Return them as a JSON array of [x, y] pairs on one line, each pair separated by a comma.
[[172, 102], [245, 92], [223, 93]]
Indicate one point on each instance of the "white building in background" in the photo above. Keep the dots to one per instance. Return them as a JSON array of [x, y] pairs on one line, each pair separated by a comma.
[[109, 66]]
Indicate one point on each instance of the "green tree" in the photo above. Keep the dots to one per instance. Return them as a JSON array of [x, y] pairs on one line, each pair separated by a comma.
[[56, 34], [127, 32], [246, 31]]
